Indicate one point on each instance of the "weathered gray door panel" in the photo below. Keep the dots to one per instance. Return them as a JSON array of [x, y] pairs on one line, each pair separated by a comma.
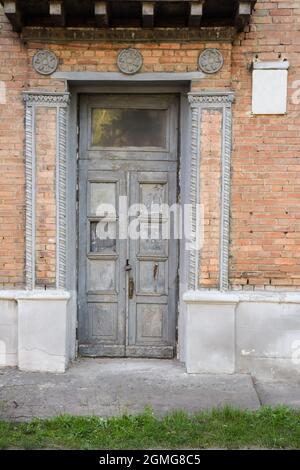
[[126, 312], [101, 280], [151, 310]]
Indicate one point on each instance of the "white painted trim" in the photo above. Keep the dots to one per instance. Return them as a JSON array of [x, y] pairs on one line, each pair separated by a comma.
[[274, 65], [188, 296], [120, 77], [273, 297], [197, 296], [202, 296], [8, 294], [34, 295]]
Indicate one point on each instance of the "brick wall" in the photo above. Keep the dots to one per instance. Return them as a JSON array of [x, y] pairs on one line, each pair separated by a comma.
[[157, 57], [45, 197], [210, 195], [265, 215], [13, 71]]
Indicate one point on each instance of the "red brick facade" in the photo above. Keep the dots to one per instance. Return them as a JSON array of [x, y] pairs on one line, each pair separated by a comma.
[[265, 223], [45, 202], [265, 188], [210, 185], [13, 74]]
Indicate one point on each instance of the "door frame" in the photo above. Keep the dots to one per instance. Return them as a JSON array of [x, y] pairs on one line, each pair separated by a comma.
[[184, 159]]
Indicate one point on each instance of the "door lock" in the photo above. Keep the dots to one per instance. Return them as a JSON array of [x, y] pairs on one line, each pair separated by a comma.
[[130, 287], [128, 266]]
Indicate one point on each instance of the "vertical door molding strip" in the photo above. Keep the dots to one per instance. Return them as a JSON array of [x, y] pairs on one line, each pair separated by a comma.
[[211, 100], [60, 101], [194, 193], [62, 115], [225, 191], [30, 195]]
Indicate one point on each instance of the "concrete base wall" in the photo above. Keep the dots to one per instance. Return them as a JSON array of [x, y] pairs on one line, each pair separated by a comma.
[[42, 332], [34, 330], [257, 333], [210, 336], [8, 330], [268, 338]]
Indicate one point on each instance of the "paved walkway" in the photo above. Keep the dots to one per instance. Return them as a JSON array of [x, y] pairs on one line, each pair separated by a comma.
[[107, 387]]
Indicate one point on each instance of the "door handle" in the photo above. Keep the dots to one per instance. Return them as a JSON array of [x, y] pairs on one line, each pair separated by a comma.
[[130, 287]]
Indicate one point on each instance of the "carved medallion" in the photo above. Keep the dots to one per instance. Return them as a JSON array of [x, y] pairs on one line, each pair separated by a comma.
[[130, 61], [210, 61], [45, 62]]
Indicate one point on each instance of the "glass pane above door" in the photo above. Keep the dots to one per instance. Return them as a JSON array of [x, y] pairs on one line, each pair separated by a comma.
[[129, 127]]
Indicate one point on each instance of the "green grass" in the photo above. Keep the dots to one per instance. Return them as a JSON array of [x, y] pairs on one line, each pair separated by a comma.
[[225, 428]]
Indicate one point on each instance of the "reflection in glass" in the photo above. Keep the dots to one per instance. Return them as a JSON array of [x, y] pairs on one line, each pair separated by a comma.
[[129, 127], [103, 236], [103, 198]]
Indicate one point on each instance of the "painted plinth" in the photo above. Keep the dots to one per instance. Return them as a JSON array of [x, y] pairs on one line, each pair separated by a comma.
[[210, 333], [42, 331]]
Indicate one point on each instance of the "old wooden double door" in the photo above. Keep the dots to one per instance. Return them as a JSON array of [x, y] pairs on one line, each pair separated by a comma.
[[127, 269]]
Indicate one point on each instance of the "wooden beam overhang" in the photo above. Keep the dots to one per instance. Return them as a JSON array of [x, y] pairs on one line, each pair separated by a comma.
[[148, 10], [57, 12], [243, 13], [13, 13], [35, 16], [196, 12], [101, 14]]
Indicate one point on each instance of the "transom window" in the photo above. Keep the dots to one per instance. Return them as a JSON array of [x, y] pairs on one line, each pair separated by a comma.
[[130, 127]]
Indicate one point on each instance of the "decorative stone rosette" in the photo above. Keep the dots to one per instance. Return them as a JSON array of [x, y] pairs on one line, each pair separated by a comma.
[[45, 62], [130, 61], [211, 61]]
